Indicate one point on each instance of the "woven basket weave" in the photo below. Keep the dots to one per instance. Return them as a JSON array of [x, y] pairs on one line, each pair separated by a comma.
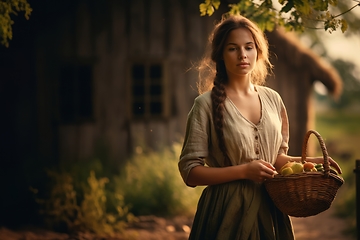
[[308, 193]]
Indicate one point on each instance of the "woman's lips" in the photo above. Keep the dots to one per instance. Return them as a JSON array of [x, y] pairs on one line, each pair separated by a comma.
[[243, 64]]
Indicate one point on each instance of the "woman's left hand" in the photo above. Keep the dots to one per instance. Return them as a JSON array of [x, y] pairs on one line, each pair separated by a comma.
[[332, 162]]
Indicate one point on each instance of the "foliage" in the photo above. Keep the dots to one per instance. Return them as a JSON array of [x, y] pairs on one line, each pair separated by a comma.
[[151, 184], [208, 7], [8, 8], [67, 208], [148, 184], [292, 14]]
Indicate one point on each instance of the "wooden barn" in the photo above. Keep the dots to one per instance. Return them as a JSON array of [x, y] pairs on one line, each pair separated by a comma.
[[114, 74], [296, 68], [82, 77]]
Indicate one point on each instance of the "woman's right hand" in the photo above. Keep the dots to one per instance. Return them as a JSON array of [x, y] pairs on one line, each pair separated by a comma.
[[260, 170]]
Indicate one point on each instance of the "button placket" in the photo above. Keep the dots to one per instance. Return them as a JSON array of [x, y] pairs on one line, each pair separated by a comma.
[[256, 143]]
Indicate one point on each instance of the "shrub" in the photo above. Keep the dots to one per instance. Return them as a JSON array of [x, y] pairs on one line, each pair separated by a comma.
[[148, 184], [69, 210], [151, 184]]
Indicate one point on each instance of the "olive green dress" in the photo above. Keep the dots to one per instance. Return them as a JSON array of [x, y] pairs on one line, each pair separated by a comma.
[[238, 210]]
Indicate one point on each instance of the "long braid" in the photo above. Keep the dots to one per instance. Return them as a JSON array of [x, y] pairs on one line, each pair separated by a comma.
[[218, 96]]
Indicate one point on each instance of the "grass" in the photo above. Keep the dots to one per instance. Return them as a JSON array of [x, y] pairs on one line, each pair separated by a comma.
[[341, 134]]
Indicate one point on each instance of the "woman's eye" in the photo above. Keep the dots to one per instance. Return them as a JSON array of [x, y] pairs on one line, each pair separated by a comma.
[[249, 48]]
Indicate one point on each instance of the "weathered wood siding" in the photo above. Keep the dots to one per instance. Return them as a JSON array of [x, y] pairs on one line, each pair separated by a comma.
[[109, 35], [113, 33]]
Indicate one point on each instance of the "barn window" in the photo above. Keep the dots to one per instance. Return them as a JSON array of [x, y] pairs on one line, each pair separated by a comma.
[[75, 93], [148, 95]]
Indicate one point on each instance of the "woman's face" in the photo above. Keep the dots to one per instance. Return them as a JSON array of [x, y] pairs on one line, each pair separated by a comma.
[[240, 53]]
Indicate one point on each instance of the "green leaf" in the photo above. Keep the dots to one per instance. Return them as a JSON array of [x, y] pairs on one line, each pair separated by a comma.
[[320, 5], [209, 7], [333, 2], [344, 25], [203, 9], [210, 10], [216, 4], [302, 7]]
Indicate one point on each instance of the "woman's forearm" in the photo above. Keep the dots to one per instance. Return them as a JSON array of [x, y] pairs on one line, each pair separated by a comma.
[[202, 175], [256, 170]]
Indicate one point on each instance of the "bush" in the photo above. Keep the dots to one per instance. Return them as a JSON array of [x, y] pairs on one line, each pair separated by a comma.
[[148, 184], [71, 210], [151, 184]]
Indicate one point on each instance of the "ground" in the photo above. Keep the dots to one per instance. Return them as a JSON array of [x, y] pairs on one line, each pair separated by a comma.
[[323, 226]]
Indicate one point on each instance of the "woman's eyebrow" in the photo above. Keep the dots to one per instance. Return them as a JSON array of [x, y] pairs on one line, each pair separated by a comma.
[[248, 43]]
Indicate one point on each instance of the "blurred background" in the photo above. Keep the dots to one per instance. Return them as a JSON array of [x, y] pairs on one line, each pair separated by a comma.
[[95, 95]]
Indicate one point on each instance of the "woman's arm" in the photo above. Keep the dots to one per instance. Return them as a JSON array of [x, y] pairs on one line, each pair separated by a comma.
[[257, 170]]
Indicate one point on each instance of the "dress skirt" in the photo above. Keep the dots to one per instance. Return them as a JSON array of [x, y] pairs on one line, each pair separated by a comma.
[[239, 210]]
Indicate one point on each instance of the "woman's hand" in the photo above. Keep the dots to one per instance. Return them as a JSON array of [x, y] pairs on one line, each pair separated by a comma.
[[259, 170], [321, 160]]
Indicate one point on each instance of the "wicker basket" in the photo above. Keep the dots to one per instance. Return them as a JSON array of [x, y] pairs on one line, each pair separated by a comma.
[[308, 193]]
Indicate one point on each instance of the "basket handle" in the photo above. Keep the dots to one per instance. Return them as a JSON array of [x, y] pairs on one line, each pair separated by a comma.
[[323, 149]]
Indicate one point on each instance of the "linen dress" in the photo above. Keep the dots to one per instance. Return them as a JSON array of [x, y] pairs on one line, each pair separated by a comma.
[[238, 210]]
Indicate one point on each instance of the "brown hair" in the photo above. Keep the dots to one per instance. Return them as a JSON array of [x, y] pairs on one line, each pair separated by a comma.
[[212, 72]]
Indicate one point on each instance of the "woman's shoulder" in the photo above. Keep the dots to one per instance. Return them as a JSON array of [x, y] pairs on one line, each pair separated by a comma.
[[204, 98], [271, 93]]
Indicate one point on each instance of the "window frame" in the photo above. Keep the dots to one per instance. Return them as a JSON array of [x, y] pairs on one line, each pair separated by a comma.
[[164, 98]]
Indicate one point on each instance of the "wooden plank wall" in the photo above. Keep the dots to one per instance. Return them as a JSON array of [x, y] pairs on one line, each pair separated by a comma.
[[120, 31], [159, 29]]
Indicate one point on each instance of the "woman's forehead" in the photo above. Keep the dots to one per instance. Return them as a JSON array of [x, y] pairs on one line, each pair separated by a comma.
[[240, 36]]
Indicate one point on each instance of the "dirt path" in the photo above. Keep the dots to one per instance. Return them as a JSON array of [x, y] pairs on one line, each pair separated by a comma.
[[323, 226]]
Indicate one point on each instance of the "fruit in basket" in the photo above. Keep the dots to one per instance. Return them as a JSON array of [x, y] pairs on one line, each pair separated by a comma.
[[286, 171], [319, 167], [291, 168], [288, 164], [297, 167], [309, 167]]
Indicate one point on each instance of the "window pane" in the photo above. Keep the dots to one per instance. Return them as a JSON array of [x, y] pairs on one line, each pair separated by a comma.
[[138, 108], [66, 94], [155, 108], [138, 73], [155, 73]]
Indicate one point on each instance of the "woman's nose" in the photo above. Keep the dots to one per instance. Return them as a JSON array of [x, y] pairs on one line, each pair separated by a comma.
[[242, 54]]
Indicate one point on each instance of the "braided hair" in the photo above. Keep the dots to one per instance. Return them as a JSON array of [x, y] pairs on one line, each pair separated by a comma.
[[212, 71]]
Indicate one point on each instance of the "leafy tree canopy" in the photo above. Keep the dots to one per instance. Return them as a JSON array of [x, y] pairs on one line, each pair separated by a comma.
[[8, 8], [294, 15]]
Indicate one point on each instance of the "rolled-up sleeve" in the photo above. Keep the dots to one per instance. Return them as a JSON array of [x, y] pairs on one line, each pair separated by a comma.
[[195, 146]]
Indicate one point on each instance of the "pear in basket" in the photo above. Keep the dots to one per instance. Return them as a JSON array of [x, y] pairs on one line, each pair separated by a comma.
[[286, 171], [297, 167], [288, 164]]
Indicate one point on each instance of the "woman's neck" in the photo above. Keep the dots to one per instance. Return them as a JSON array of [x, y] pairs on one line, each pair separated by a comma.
[[240, 86]]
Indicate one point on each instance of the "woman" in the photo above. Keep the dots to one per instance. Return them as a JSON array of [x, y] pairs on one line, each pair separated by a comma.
[[237, 137]]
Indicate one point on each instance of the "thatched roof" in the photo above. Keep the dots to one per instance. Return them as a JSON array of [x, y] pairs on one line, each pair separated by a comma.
[[288, 48]]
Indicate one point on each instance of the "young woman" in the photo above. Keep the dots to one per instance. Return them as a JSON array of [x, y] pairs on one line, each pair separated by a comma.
[[236, 137]]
